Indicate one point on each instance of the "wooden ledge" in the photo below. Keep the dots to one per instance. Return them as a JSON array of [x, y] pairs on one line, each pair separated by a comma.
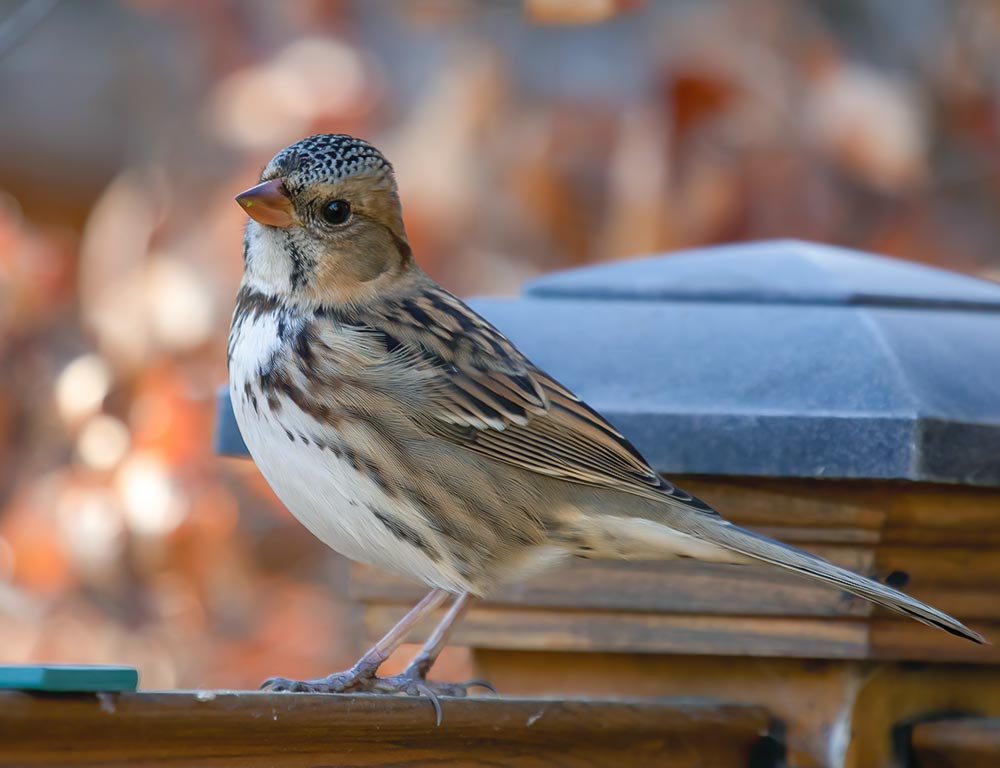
[[257, 729], [969, 742]]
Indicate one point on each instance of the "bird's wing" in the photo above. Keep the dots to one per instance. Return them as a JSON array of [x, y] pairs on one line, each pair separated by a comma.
[[487, 397]]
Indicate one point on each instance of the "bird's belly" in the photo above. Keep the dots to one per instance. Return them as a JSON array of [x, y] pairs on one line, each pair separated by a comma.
[[338, 504]]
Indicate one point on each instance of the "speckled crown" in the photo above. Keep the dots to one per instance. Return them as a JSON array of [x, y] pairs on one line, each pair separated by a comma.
[[330, 156]]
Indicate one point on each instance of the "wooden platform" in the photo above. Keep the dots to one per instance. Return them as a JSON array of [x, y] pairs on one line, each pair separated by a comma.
[[968, 742], [240, 728]]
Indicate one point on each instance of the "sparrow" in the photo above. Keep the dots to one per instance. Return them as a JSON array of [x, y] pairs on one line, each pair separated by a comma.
[[406, 432]]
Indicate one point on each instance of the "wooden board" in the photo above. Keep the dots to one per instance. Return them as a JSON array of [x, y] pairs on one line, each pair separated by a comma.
[[646, 633], [806, 696], [836, 713], [893, 695], [964, 743], [259, 729]]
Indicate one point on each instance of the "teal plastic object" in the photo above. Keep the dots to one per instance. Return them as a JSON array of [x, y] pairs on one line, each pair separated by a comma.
[[68, 677]]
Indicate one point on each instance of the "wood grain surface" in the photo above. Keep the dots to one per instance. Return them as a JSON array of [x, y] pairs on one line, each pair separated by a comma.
[[962, 743], [185, 728]]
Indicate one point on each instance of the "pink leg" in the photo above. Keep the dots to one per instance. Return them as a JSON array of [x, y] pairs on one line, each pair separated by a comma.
[[363, 672], [413, 680], [424, 660]]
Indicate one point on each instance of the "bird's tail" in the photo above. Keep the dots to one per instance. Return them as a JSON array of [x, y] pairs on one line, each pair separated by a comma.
[[758, 547], [710, 538]]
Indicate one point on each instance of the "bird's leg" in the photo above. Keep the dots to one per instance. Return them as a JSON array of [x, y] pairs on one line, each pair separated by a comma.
[[424, 660], [362, 674], [413, 680]]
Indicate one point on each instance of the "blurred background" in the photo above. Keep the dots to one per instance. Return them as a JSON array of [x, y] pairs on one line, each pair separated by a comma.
[[527, 136]]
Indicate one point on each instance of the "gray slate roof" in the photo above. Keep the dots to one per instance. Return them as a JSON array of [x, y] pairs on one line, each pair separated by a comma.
[[774, 359]]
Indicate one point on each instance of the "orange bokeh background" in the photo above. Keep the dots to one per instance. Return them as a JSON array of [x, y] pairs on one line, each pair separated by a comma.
[[526, 137]]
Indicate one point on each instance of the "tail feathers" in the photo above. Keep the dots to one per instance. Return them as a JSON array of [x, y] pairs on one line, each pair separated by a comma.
[[760, 547]]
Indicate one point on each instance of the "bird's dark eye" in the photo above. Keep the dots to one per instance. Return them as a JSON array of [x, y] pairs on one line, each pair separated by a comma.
[[336, 211]]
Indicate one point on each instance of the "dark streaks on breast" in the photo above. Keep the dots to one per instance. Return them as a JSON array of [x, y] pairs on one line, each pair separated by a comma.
[[250, 396], [251, 305], [404, 532], [304, 346]]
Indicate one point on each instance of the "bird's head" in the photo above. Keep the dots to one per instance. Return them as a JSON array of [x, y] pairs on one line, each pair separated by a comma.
[[326, 223]]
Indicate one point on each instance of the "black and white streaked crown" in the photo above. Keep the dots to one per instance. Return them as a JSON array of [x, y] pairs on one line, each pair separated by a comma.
[[327, 156]]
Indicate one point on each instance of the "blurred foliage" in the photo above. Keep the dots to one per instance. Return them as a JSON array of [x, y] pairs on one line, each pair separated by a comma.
[[525, 138]]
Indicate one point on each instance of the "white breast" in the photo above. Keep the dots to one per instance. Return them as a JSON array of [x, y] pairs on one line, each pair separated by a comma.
[[325, 493]]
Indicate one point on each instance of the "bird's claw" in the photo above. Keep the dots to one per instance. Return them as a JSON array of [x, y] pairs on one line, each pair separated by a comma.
[[477, 683], [415, 684]]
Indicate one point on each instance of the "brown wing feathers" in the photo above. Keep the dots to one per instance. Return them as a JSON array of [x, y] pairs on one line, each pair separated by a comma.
[[490, 399]]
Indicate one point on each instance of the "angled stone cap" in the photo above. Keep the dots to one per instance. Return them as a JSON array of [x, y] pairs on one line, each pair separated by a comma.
[[774, 359], [772, 272]]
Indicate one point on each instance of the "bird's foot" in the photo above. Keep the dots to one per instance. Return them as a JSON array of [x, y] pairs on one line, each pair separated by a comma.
[[418, 685], [410, 683], [414, 683], [348, 681]]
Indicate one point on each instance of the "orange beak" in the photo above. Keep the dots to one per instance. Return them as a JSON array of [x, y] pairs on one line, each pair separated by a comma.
[[269, 204]]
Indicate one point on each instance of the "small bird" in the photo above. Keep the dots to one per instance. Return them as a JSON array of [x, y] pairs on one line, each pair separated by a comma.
[[408, 433]]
